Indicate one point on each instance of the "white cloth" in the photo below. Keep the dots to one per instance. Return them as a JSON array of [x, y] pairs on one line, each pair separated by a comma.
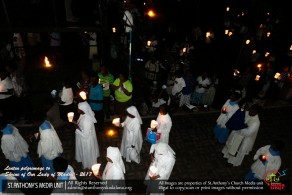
[[132, 134], [224, 117], [202, 82], [114, 170], [86, 147], [14, 146], [249, 133], [273, 163], [164, 160], [5, 84], [67, 96], [179, 84], [128, 18], [164, 127], [49, 145]]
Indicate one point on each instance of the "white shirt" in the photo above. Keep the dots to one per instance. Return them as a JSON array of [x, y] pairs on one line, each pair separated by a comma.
[[202, 82], [179, 84]]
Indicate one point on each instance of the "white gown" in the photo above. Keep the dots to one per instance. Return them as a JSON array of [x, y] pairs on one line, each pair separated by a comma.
[[223, 118], [87, 150], [273, 163], [163, 127], [249, 133]]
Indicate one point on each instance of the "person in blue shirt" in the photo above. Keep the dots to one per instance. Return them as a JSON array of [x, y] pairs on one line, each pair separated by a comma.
[[95, 100]]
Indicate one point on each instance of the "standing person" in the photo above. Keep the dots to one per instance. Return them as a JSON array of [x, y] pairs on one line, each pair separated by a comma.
[[152, 70], [49, 146], [228, 109], [6, 96], [128, 22], [209, 95], [132, 135], [187, 90], [84, 84], [164, 124], [123, 94], [95, 101], [15, 149], [267, 160], [163, 158], [106, 79], [249, 136], [114, 171], [66, 99], [86, 147], [179, 85], [203, 83]]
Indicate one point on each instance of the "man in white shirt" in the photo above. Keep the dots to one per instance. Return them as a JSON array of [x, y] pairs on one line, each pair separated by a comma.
[[203, 83]]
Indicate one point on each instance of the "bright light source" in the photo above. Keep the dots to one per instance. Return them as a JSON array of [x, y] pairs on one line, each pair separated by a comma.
[[148, 43], [259, 65], [268, 13], [257, 78], [291, 48], [226, 32], [230, 33], [110, 133], [254, 51], [227, 9], [47, 62], [236, 73], [208, 34], [82, 95], [268, 34], [247, 41], [277, 75], [114, 30], [151, 13], [267, 54], [242, 13], [184, 50]]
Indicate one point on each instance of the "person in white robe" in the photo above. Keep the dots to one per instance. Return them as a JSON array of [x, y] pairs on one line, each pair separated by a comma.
[[228, 109], [86, 148], [164, 124], [49, 146], [15, 149], [267, 161], [249, 136], [132, 135], [114, 171], [163, 159], [65, 172]]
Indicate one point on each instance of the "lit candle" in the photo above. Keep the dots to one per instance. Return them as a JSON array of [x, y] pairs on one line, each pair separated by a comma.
[[116, 121], [148, 43], [277, 75], [153, 124], [36, 135], [114, 30], [70, 116], [257, 78], [268, 34], [230, 33], [227, 9], [254, 51], [95, 169], [224, 110], [226, 32], [267, 54], [47, 62], [184, 50], [110, 132], [264, 158], [153, 171], [259, 65], [82, 95], [291, 48], [247, 41], [208, 34]]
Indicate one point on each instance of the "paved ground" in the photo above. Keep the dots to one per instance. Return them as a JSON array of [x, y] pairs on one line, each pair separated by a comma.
[[198, 155]]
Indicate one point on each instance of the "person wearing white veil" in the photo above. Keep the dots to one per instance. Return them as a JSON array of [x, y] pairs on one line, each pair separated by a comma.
[[49, 146], [86, 148], [114, 171], [162, 161], [132, 135], [15, 149]]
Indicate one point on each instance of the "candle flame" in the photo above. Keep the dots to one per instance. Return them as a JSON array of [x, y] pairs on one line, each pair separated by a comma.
[[82, 95], [47, 62], [254, 51], [268, 34], [208, 34], [267, 54], [230, 33], [257, 78], [259, 65], [247, 41], [277, 75], [227, 9], [226, 32], [148, 43], [110, 133], [114, 30]]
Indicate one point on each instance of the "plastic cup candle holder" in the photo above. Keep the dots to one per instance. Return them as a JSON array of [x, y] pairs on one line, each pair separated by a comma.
[[70, 116], [95, 169]]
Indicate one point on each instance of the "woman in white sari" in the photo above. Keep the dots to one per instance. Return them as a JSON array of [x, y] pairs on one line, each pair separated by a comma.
[[132, 135], [87, 150]]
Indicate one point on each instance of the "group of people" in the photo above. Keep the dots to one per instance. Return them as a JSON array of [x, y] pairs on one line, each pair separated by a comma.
[[237, 128]]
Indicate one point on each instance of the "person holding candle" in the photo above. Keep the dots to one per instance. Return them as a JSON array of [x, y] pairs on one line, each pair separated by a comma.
[[164, 124], [228, 109], [132, 135], [49, 146], [123, 94], [163, 159], [86, 147], [66, 104], [95, 100], [249, 136], [267, 159], [15, 149]]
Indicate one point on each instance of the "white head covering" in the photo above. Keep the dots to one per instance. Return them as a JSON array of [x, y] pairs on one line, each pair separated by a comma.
[[114, 154], [164, 149], [85, 107], [133, 111], [13, 145], [49, 145]]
